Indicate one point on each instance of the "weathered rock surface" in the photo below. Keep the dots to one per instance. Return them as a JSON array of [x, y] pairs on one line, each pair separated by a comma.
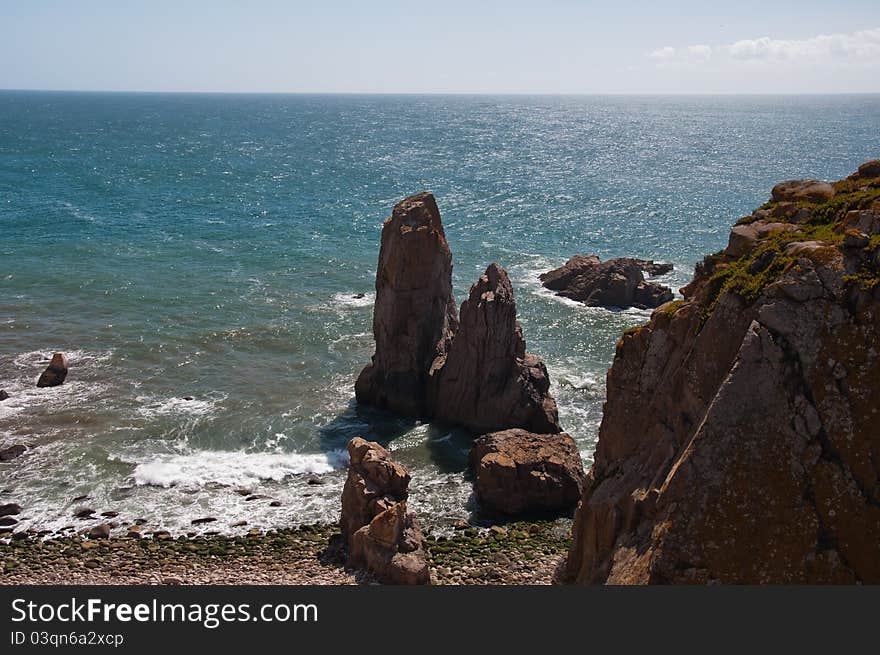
[[740, 441], [488, 381], [477, 375], [382, 535], [808, 190], [616, 282], [414, 314], [517, 472], [55, 373], [16, 450]]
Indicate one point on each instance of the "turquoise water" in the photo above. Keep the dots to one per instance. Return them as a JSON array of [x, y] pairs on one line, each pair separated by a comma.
[[211, 246]]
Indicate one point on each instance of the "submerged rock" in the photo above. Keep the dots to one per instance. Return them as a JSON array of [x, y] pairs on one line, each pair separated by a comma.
[[55, 373], [738, 442], [616, 282], [382, 535], [487, 380], [414, 314], [517, 472]]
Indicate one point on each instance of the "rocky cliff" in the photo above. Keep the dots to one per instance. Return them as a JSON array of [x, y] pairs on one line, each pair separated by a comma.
[[740, 441]]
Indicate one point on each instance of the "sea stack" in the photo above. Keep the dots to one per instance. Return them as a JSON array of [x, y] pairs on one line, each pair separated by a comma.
[[488, 381], [476, 374], [739, 442], [382, 535], [414, 314], [55, 373]]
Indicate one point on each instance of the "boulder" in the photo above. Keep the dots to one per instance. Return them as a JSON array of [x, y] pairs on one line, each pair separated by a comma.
[[3, 394], [616, 282], [518, 472], [414, 314], [16, 450], [487, 380], [10, 509], [802, 190], [101, 531], [382, 535], [55, 373]]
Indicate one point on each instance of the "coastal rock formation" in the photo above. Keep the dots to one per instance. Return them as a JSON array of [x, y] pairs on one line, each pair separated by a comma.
[[382, 535], [414, 314], [739, 442], [516, 472], [10, 509], [477, 375], [16, 450], [487, 380], [616, 282], [806, 190], [55, 373]]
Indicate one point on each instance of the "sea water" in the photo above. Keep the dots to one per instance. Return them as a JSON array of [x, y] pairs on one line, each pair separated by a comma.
[[223, 248]]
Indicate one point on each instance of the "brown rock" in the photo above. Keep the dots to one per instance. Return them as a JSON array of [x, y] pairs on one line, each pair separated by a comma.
[[101, 531], [488, 381], [616, 282], [10, 509], [414, 313], [55, 373], [16, 450], [869, 169], [517, 472], [381, 534], [802, 190], [742, 448]]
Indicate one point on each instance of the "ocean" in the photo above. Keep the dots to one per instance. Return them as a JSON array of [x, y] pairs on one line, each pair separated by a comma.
[[216, 247]]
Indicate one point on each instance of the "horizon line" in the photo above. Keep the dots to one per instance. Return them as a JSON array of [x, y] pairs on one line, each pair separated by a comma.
[[448, 93]]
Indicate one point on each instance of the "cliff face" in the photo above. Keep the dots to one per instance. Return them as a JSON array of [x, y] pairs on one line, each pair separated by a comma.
[[740, 441]]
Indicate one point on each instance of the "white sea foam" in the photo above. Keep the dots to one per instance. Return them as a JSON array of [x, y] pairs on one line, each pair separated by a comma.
[[349, 299], [196, 470], [152, 407]]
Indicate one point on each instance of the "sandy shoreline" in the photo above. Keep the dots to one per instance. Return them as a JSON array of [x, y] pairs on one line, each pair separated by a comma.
[[518, 553]]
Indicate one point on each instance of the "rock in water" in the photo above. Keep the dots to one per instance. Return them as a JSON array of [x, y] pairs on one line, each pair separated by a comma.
[[613, 283], [414, 314], [3, 394], [383, 536], [16, 450], [55, 373], [739, 442], [516, 472], [488, 381], [10, 509]]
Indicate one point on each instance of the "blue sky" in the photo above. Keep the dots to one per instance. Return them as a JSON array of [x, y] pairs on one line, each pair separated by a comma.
[[547, 46]]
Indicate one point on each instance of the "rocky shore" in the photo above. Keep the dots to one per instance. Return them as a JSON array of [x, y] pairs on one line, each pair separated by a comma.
[[515, 553]]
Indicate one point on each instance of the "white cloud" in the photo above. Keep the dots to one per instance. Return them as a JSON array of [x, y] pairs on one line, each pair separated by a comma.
[[853, 47], [662, 53]]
